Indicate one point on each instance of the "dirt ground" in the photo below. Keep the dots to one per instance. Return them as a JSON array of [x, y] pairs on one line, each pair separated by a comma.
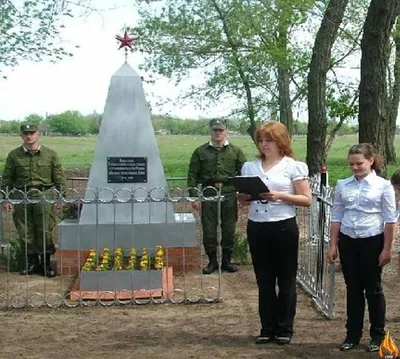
[[221, 330]]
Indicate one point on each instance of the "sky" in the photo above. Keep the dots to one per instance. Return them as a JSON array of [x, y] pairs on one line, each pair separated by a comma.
[[81, 82]]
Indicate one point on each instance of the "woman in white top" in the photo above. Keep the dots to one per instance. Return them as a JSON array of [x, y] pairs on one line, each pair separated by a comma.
[[362, 227], [272, 230]]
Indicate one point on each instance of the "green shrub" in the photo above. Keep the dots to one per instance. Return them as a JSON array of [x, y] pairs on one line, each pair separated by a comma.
[[11, 256]]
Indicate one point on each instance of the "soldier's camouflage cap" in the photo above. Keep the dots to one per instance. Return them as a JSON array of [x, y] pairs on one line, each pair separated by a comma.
[[27, 127], [218, 124]]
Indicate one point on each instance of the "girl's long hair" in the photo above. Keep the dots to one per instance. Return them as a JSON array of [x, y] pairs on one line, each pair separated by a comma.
[[276, 132]]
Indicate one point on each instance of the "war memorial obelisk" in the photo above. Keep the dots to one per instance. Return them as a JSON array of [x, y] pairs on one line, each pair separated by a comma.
[[127, 169]]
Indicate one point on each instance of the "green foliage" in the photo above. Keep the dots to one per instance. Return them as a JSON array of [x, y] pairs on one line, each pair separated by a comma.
[[238, 42], [69, 122], [10, 127], [349, 40], [342, 94], [240, 251], [341, 105], [233, 42], [34, 119], [342, 111], [94, 122], [30, 30], [66, 123], [37, 120]]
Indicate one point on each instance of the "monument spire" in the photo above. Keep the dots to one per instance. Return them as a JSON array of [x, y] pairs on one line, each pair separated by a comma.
[[125, 42]]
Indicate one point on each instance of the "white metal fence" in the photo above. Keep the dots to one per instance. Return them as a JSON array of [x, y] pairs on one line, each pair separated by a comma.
[[173, 249]]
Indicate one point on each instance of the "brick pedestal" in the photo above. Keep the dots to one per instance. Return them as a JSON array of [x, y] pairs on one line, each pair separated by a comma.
[[70, 261], [183, 259]]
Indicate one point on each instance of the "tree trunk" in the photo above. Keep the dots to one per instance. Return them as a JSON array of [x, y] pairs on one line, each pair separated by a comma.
[[332, 135], [319, 67], [394, 100], [285, 103], [374, 107], [239, 67]]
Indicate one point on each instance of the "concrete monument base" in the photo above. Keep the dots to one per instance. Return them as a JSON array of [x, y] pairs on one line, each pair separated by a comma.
[[181, 233]]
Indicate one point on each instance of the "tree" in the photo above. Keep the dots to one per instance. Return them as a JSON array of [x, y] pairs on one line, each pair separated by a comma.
[[343, 91], [34, 119], [320, 64], [289, 14], [94, 122], [30, 30], [10, 127], [245, 48], [276, 23], [374, 107], [69, 123]]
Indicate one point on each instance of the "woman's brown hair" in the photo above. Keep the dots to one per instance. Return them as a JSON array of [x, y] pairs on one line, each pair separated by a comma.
[[369, 151], [277, 132]]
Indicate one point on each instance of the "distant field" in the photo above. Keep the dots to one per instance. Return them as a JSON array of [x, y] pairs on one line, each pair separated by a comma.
[[76, 153]]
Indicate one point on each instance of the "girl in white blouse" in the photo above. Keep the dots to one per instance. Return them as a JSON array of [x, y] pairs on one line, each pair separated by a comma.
[[272, 230], [362, 227], [395, 181]]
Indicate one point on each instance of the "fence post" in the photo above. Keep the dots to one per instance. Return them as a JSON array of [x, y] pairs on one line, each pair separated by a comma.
[[321, 224], [324, 176]]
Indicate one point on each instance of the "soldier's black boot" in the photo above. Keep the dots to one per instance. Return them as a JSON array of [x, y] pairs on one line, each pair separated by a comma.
[[48, 270], [212, 265], [32, 266], [226, 264]]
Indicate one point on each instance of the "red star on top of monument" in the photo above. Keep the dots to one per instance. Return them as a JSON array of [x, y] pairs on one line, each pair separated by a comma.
[[125, 41]]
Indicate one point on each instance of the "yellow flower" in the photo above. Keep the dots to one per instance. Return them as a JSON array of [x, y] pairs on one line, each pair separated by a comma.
[[144, 261], [132, 259], [158, 259]]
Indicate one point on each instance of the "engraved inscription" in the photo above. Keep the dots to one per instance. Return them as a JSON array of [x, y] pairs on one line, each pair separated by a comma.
[[127, 169]]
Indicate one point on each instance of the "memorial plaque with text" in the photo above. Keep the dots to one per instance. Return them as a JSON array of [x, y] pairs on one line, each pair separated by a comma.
[[127, 169]]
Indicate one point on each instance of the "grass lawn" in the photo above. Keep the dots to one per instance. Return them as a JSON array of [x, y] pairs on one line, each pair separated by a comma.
[[77, 152]]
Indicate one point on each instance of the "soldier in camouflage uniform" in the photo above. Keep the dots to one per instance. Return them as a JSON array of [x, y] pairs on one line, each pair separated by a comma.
[[35, 169], [211, 165]]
